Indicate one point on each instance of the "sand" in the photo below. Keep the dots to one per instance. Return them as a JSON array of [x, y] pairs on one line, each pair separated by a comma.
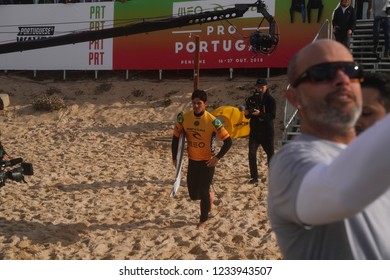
[[103, 173]]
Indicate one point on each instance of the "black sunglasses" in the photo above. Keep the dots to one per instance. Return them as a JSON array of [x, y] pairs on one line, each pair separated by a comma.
[[325, 72]]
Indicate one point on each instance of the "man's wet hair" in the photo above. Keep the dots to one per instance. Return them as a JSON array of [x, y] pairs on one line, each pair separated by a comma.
[[201, 94]]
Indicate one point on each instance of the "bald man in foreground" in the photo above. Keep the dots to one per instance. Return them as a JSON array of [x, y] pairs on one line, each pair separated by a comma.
[[329, 192]]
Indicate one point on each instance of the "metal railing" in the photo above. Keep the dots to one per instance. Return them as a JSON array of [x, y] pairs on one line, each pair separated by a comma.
[[290, 119]]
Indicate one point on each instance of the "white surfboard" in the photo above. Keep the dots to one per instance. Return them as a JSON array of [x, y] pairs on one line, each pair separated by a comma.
[[179, 164]]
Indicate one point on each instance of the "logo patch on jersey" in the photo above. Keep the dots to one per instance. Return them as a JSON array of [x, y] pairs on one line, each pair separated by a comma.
[[196, 135], [180, 118], [196, 123], [217, 123]]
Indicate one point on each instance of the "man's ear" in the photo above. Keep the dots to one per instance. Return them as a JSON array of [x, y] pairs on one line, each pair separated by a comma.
[[292, 96]]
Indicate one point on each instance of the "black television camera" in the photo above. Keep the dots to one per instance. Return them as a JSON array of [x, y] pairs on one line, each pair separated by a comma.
[[252, 103], [15, 174]]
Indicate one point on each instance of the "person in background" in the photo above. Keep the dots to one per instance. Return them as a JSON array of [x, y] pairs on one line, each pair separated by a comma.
[[344, 22], [314, 5], [381, 12], [200, 128], [359, 8], [298, 6], [260, 108], [328, 192], [3, 154], [376, 100], [2, 106]]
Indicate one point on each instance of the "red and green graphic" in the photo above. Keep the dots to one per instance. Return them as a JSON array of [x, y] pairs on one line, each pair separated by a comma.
[[222, 44]]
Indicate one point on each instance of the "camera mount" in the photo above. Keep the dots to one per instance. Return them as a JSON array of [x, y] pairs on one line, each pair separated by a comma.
[[261, 42]]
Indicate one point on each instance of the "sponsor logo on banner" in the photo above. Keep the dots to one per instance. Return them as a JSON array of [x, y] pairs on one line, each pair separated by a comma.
[[27, 33], [218, 38], [196, 7]]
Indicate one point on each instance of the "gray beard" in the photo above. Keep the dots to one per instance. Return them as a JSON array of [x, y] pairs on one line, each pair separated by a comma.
[[332, 118]]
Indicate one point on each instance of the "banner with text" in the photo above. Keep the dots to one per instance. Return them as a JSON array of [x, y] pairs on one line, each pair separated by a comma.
[[223, 44], [29, 22]]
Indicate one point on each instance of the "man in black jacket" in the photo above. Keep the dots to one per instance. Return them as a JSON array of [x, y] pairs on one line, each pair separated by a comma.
[[261, 110], [344, 22]]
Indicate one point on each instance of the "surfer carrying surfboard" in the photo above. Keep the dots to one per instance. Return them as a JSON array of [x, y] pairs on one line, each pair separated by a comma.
[[200, 128]]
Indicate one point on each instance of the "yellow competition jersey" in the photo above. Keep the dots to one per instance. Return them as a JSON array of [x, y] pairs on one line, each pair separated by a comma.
[[199, 132]]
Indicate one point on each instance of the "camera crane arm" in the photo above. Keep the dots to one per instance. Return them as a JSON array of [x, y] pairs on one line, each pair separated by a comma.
[[143, 27], [272, 23], [265, 43]]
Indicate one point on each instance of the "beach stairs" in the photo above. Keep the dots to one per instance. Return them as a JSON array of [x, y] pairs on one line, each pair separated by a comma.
[[362, 48], [290, 131]]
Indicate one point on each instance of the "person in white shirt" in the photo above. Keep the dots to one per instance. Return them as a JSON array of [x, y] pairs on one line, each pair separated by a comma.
[[329, 191], [381, 11]]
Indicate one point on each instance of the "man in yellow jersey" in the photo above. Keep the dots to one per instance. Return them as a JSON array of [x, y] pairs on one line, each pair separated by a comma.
[[200, 128]]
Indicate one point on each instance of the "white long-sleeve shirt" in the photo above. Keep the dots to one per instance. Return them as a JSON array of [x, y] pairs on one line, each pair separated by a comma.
[[379, 7], [331, 201]]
